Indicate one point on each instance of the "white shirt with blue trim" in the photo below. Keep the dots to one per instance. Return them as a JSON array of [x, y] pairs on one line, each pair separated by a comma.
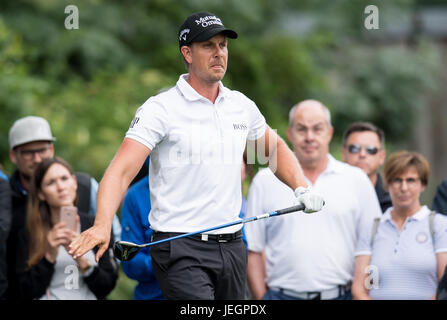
[[404, 262]]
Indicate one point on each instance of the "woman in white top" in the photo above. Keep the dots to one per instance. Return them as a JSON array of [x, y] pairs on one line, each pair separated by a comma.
[[45, 270], [402, 256]]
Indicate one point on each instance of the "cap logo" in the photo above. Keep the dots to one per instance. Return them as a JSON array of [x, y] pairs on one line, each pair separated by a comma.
[[202, 26], [209, 20], [183, 34]]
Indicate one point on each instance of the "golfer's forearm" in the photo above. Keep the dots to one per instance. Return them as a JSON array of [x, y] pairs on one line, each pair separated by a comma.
[[123, 168], [280, 159], [110, 193], [288, 169], [107, 206], [256, 275]]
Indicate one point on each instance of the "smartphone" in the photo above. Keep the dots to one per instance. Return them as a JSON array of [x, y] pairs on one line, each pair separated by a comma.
[[68, 216]]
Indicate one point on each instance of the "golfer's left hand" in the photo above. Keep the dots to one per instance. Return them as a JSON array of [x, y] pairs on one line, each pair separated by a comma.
[[90, 238], [312, 201]]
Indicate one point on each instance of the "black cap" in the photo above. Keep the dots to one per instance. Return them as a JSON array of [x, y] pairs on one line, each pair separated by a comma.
[[201, 26]]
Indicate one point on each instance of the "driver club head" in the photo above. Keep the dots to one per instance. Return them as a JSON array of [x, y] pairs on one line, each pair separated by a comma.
[[125, 251]]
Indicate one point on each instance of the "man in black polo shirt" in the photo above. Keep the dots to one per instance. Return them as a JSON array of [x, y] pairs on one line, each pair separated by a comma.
[[440, 199], [364, 147]]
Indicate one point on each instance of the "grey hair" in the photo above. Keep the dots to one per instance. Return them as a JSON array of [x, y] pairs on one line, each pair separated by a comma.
[[295, 108]]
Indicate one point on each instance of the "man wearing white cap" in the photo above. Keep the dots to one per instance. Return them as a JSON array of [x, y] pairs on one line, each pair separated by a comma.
[[31, 141]]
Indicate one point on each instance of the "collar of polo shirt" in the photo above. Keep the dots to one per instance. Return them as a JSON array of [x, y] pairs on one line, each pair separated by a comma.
[[192, 95], [333, 166], [420, 215]]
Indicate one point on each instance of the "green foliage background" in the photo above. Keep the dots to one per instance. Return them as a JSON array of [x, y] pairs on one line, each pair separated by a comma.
[[89, 82]]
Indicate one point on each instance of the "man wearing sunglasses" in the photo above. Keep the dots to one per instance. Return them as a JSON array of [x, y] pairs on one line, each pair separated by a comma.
[[363, 147]]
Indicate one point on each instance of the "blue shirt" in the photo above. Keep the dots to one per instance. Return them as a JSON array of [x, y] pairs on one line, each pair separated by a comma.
[[403, 263], [242, 216], [3, 175]]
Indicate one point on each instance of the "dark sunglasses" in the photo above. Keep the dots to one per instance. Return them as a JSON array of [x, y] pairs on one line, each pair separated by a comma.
[[356, 148]]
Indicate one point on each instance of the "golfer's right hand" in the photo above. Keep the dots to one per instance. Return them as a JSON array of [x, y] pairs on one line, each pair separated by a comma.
[[90, 238], [312, 201]]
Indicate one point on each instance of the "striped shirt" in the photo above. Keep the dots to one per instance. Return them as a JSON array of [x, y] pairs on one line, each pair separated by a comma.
[[403, 263]]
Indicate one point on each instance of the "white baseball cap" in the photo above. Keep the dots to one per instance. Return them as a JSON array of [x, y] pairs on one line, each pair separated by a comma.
[[29, 129]]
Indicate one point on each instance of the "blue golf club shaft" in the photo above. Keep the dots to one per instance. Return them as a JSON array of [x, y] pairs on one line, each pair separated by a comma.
[[298, 207]]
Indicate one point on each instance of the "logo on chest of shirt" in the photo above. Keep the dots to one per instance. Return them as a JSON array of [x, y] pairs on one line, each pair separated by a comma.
[[421, 237], [240, 126]]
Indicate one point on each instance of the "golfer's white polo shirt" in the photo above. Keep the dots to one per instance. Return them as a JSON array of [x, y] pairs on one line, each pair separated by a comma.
[[403, 262], [196, 157], [311, 252]]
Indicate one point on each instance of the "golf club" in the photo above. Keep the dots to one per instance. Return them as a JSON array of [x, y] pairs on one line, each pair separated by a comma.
[[125, 250]]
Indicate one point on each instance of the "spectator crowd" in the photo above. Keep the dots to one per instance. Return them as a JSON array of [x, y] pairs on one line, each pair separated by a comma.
[[364, 233]]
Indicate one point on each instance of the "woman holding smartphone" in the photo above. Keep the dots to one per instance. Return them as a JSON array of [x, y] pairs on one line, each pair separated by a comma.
[[44, 269]]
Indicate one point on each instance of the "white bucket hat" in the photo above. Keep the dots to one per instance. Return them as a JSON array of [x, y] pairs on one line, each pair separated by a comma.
[[29, 129]]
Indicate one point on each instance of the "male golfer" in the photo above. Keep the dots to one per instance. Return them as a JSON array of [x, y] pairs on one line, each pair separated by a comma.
[[196, 134]]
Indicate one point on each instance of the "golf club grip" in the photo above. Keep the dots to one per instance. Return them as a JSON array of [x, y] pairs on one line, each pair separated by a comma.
[[298, 207]]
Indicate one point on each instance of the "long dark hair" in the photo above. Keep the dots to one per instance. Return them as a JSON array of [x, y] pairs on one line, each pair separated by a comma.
[[38, 214]]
